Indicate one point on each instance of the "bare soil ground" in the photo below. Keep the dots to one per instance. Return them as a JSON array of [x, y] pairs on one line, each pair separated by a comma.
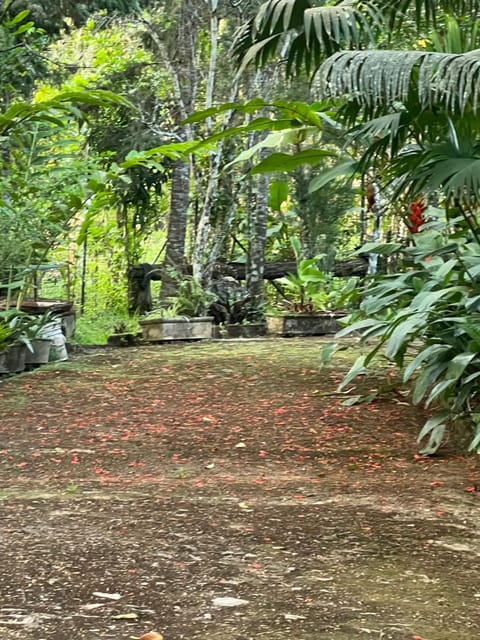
[[223, 492]]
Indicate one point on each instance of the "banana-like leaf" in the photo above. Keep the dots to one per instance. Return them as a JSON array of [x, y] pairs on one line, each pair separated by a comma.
[[381, 249], [289, 162], [425, 300]]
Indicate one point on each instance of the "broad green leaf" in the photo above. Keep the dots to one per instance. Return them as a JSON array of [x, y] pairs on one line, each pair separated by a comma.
[[424, 300], [383, 249], [328, 352], [436, 428], [403, 333], [340, 170], [19, 17], [476, 440], [288, 162], [374, 304], [430, 353], [437, 390], [271, 140], [359, 325], [357, 369], [471, 377], [458, 365], [473, 330], [278, 194], [426, 378]]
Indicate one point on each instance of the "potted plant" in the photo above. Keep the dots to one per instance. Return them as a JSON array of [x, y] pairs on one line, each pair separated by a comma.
[[13, 343], [7, 339], [33, 327], [184, 318], [311, 297], [122, 336], [232, 311]]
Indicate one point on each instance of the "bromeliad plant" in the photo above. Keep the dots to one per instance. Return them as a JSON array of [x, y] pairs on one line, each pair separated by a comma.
[[426, 320]]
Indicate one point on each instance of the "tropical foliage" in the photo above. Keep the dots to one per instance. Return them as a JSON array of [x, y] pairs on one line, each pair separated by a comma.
[[404, 78]]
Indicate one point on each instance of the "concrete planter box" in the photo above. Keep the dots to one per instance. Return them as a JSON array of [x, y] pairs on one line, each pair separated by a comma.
[[162, 329], [12, 359], [40, 352], [233, 331], [298, 324]]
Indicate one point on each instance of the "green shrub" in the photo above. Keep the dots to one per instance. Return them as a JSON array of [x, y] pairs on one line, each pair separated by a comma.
[[426, 320]]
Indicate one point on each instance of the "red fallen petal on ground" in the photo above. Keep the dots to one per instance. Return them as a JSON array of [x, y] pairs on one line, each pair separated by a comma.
[[470, 489]]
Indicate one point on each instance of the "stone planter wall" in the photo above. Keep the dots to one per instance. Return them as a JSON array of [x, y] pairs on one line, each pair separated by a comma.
[[297, 324], [253, 330], [160, 329]]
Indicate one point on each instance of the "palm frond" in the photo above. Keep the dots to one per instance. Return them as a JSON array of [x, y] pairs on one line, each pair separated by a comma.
[[383, 77], [307, 33], [451, 167]]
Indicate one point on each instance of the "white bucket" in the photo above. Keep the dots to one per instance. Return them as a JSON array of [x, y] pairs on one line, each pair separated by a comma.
[[53, 332]]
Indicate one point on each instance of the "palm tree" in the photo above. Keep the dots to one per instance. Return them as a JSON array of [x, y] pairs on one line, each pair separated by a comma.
[[419, 107], [308, 31]]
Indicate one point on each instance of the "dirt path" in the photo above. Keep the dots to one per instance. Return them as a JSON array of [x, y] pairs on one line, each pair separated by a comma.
[[222, 492]]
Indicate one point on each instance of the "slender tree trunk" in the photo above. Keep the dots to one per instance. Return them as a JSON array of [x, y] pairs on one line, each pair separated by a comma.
[[378, 210], [177, 49], [257, 236], [174, 264], [257, 223], [200, 253]]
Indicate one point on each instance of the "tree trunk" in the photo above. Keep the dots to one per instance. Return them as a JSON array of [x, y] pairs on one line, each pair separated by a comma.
[[177, 47], [174, 264], [257, 236]]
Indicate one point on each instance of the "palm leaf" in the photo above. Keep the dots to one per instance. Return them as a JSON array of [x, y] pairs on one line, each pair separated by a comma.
[[452, 167], [383, 77], [307, 33]]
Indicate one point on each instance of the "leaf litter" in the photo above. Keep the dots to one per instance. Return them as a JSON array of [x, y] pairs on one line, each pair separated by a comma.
[[165, 481]]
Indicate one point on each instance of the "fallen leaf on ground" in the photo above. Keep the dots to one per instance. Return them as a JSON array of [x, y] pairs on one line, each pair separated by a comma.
[[293, 616], [108, 596], [226, 602]]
